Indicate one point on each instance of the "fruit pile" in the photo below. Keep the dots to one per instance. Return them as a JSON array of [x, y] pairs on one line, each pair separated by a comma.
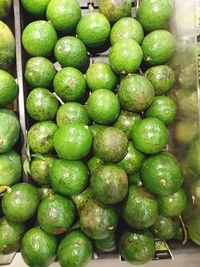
[[101, 176]]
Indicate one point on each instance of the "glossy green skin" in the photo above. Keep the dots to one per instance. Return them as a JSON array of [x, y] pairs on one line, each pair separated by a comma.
[[174, 204], [94, 163], [133, 160], [73, 141], [109, 184], [110, 144], [39, 72], [93, 29], [195, 192], [186, 131], [125, 56], [137, 247], [126, 122], [95, 128], [35, 7], [98, 220], [115, 10], [158, 47], [69, 177], [100, 76], [40, 168], [126, 28], [69, 84], [194, 157], [103, 106], [64, 14], [165, 228], [9, 133], [193, 226], [72, 112], [38, 248], [134, 179], [39, 38], [20, 203], [11, 234], [5, 6], [161, 174], [163, 108], [162, 78], [8, 88], [140, 208], [136, 93], [154, 15], [7, 47], [56, 214], [41, 105], [10, 168], [75, 250], [108, 244], [40, 137], [70, 51], [150, 136]]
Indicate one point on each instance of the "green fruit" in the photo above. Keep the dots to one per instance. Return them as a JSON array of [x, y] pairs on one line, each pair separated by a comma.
[[72, 112], [10, 168], [133, 160], [95, 128], [195, 192], [45, 192], [103, 106], [174, 204], [150, 136], [98, 220], [75, 250], [125, 56], [9, 130], [162, 78], [5, 6], [93, 29], [108, 244], [126, 28], [40, 137], [38, 248], [73, 141], [165, 228], [126, 121], [8, 88], [55, 214], [100, 76], [115, 10], [39, 72], [35, 7], [161, 174], [137, 247], [82, 199], [154, 14], [186, 131], [11, 234], [41, 105], [20, 202], [64, 14], [69, 177], [163, 108], [194, 157], [7, 47], [94, 163], [69, 84], [40, 167], [134, 179], [135, 93], [69, 51], [109, 184], [193, 226], [110, 144], [140, 208], [39, 38], [158, 47]]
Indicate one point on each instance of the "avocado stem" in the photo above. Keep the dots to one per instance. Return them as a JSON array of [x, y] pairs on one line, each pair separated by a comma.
[[184, 231], [3, 189]]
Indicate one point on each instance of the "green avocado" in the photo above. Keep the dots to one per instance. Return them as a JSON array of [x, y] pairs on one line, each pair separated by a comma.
[[56, 214], [82, 199], [161, 174], [75, 250], [140, 208], [110, 144], [94, 163], [137, 247], [45, 192], [5, 6], [135, 179], [194, 157], [107, 245], [95, 128], [185, 132]]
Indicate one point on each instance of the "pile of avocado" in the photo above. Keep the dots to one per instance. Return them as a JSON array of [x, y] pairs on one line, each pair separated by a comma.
[[102, 178]]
